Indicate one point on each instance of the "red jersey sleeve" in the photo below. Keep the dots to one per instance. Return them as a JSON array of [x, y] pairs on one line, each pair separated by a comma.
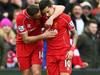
[[21, 28], [70, 23]]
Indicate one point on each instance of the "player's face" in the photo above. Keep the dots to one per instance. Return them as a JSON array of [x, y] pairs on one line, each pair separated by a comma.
[[37, 16], [46, 11]]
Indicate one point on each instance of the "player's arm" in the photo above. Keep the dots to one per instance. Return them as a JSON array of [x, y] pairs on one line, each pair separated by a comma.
[[58, 10], [23, 32], [74, 38], [71, 28], [73, 46], [30, 39]]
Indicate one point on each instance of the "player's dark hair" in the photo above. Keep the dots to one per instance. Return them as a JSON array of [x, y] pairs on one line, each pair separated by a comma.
[[32, 9], [44, 3]]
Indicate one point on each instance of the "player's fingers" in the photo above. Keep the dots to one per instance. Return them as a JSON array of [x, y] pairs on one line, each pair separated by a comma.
[[53, 33], [69, 56]]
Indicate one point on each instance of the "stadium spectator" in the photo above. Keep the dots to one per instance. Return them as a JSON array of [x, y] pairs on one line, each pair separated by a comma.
[[94, 3], [11, 59], [2, 49], [96, 13], [69, 5], [19, 3], [88, 45], [27, 3], [6, 9], [97, 9], [9, 36], [87, 7], [78, 18]]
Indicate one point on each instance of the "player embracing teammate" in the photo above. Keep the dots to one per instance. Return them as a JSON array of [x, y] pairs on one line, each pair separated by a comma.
[[29, 40], [59, 50]]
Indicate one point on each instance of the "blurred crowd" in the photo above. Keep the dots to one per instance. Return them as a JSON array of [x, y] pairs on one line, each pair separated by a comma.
[[85, 15]]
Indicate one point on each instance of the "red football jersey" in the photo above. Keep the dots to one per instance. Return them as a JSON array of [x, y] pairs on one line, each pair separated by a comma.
[[61, 43], [27, 24]]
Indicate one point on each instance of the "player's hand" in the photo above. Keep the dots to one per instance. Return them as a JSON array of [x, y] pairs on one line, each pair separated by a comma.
[[41, 55], [50, 33], [69, 55], [49, 22]]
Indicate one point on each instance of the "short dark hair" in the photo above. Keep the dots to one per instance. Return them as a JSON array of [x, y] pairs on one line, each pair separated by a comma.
[[44, 3], [91, 21], [76, 4], [32, 9]]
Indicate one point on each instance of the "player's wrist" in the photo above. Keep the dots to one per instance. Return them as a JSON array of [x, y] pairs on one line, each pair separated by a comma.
[[72, 48], [43, 35], [52, 17]]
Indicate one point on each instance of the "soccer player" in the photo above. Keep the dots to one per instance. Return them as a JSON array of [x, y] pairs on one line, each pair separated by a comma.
[[29, 40], [59, 50]]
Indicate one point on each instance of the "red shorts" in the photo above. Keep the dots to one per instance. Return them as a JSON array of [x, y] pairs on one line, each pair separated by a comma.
[[57, 65], [27, 56]]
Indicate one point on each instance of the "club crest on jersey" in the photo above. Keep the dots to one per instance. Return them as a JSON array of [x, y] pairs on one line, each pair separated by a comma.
[[21, 28]]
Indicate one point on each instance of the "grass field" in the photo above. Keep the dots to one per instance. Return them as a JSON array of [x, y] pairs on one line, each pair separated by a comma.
[[75, 72]]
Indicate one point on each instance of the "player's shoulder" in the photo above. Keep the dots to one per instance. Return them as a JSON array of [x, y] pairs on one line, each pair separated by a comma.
[[64, 15], [61, 17], [20, 16]]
